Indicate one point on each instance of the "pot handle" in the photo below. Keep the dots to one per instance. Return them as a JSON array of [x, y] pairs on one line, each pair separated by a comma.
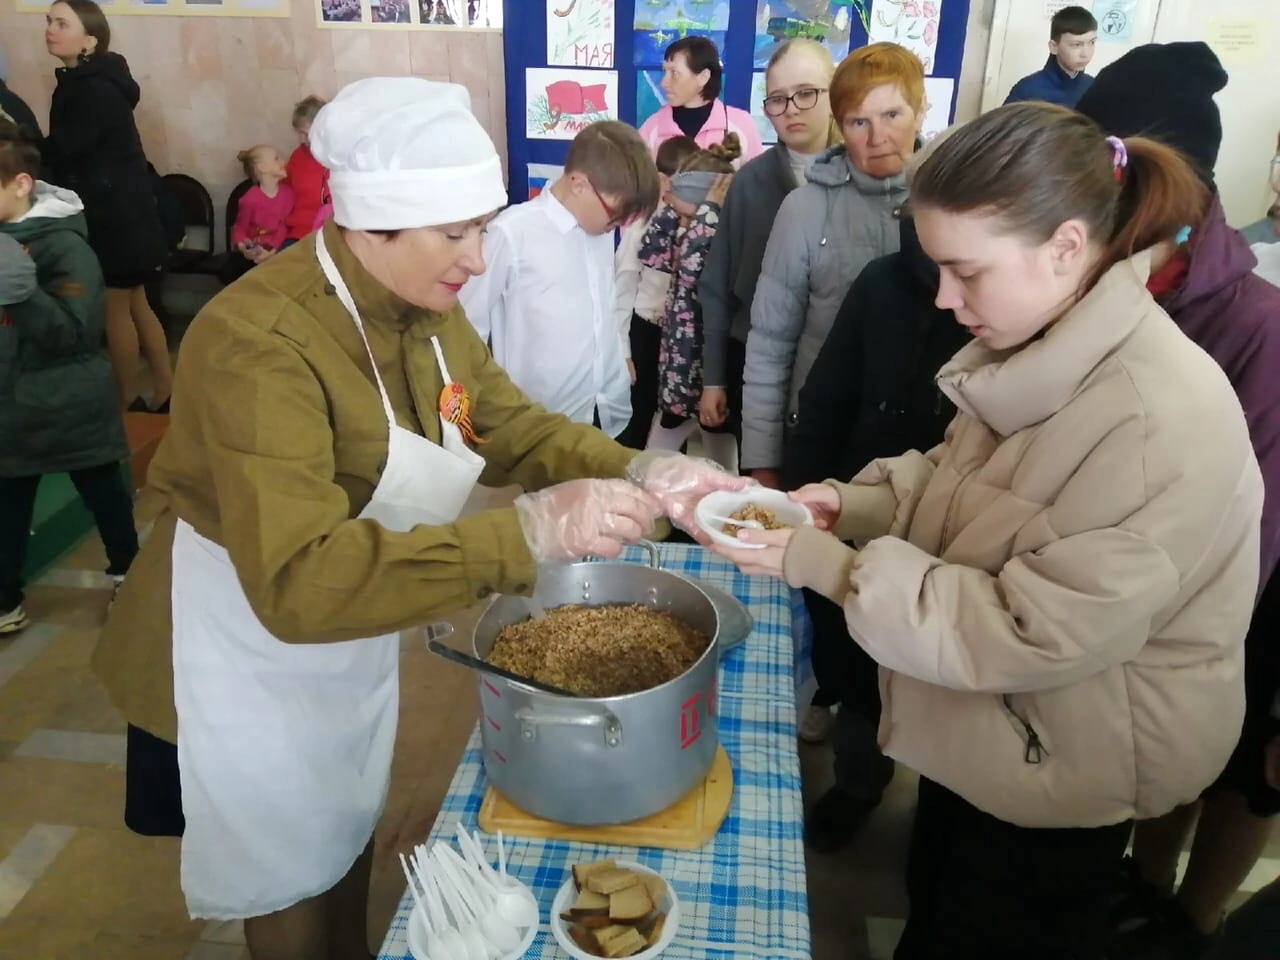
[[531, 719], [440, 630], [648, 546]]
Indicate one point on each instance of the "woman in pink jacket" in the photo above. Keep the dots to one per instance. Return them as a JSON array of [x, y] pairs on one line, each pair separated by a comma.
[[691, 78]]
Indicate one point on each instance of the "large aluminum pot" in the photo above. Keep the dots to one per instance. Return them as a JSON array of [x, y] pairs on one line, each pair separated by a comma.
[[608, 760]]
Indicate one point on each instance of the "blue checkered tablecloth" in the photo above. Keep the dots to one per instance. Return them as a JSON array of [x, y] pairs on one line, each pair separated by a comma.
[[743, 894]]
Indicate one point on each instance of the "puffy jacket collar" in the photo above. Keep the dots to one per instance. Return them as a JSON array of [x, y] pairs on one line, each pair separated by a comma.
[[1012, 390], [833, 169], [1219, 257]]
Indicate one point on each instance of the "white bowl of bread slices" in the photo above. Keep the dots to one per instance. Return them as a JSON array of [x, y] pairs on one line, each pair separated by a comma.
[[615, 908]]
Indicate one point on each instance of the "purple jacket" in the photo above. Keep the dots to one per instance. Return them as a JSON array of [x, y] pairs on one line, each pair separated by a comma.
[[1234, 315]]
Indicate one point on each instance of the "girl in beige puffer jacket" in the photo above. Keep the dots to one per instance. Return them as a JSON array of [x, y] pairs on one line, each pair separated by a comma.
[[1058, 594]]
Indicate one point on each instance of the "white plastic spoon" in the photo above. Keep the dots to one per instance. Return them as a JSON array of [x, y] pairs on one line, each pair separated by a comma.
[[748, 524], [449, 942], [478, 948], [422, 909], [493, 926], [453, 944], [515, 904], [510, 882]]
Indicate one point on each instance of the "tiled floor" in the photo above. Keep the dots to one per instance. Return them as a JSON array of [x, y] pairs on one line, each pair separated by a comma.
[[76, 885]]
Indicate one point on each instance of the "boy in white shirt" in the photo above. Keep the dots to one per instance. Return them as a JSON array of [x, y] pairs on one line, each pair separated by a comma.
[[545, 301]]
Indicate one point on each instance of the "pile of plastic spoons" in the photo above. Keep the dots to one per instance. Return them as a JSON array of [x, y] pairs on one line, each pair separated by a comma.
[[469, 910]]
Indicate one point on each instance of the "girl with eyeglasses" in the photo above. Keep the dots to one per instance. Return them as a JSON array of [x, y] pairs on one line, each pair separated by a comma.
[[797, 105]]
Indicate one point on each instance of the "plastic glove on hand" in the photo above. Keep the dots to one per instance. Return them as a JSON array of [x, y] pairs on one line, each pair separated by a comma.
[[679, 482], [581, 517]]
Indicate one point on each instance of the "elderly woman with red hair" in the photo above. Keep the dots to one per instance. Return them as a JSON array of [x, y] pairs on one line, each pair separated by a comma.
[[825, 233]]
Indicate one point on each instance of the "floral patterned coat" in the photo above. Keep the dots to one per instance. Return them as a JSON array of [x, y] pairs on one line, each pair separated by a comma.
[[679, 247]]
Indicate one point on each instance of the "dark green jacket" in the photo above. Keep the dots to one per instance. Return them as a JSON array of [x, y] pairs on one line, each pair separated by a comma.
[[58, 404]]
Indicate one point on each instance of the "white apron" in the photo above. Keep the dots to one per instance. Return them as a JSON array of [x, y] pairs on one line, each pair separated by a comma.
[[285, 749]]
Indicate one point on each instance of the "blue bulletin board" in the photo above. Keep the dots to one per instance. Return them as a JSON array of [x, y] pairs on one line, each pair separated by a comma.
[[610, 50]]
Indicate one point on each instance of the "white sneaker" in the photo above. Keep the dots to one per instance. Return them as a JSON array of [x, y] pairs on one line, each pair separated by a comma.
[[117, 581], [816, 724], [13, 621]]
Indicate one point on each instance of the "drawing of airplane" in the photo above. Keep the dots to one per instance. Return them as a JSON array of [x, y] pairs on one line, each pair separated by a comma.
[[660, 38], [681, 23], [656, 3]]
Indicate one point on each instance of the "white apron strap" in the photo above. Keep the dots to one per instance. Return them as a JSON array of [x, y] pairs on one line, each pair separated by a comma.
[[444, 368], [344, 297]]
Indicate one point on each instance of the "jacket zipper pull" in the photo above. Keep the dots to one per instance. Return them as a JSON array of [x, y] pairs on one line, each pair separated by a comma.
[[1035, 749]]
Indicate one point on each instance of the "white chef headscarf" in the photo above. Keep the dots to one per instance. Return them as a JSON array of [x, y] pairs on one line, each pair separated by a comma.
[[403, 152]]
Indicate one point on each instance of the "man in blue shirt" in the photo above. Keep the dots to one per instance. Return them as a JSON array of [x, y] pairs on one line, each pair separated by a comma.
[[1073, 32]]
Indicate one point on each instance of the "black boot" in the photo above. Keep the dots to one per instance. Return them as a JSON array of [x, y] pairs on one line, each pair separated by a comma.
[[838, 815]]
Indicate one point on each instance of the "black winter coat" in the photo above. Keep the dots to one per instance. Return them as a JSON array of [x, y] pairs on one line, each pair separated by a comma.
[[93, 148], [871, 393]]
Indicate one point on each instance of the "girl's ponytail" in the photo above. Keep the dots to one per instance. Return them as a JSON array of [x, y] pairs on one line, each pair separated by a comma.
[[1160, 194]]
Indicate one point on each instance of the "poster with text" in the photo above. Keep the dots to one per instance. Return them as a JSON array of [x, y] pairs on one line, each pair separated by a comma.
[[541, 176], [659, 23], [938, 92], [910, 23], [580, 33], [1115, 19], [830, 23], [559, 103], [763, 125]]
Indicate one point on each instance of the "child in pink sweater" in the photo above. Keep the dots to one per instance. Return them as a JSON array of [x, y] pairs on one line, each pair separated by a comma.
[[261, 217]]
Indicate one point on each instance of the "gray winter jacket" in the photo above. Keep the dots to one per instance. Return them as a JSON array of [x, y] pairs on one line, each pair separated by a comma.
[[825, 233], [728, 282]]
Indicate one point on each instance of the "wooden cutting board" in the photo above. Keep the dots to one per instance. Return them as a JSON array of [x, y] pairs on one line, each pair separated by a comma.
[[688, 824]]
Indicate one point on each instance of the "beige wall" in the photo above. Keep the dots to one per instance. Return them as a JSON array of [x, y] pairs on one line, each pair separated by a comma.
[[212, 86]]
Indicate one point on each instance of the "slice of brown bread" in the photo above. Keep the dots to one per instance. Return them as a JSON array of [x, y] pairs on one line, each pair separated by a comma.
[[589, 904], [655, 931], [611, 881], [625, 944], [604, 934], [631, 905], [654, 918], [583, 870], [656, 886], [585, 941]]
